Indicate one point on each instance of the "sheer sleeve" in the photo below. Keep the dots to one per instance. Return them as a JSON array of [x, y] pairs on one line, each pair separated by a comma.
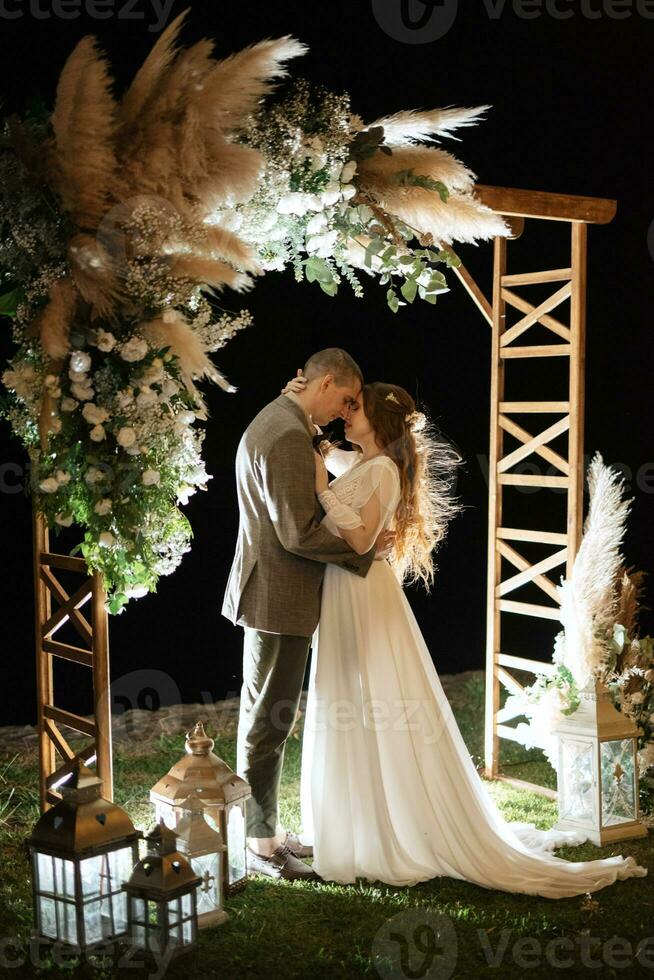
[[373, 505]]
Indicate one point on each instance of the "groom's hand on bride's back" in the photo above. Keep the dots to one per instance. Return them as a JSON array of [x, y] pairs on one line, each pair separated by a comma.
[[384, 545]]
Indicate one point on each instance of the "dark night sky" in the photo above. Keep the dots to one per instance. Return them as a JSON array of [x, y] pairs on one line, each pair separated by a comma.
[[571, 114]]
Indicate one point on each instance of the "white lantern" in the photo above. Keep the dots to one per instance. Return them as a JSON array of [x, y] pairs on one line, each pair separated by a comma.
[[162, 898], [598, 770], [204, 848], [82, 850], [223, 795]]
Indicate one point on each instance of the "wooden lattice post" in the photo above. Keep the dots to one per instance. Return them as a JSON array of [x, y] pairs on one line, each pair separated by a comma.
[[569, 472], [94, 654]]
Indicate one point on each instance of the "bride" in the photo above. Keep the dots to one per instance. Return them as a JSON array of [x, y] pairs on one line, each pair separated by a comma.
[[388, 789]]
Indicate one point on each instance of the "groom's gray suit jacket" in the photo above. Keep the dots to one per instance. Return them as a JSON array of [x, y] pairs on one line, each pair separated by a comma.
[[276, 576]]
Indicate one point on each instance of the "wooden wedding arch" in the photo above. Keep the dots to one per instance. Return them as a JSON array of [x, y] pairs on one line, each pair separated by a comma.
[[575, 213]]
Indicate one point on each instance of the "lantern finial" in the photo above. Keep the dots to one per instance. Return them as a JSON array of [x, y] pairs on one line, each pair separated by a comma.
[[198, 742], [161, 839]]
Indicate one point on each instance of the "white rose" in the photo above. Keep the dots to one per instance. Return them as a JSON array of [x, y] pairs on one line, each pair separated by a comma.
[[54, 425], [50, 380], [84, 392], [51, 485], [146, 398], [64, 520], [331, 193], [268, 222], [106, 540], [94, 414], [150, 478], [94, 475], [80, 361], [348, 192], [293, 203], [348, 171], [136, 591], [186, 417], [134, 349], [103, 507], [315, 202], [169, 388], [62, 477], [316, 224], [68, 404], [97, 433], [126, 437], [133, 450], [184, 494], [125, 397], [105, 341], [638, 697]]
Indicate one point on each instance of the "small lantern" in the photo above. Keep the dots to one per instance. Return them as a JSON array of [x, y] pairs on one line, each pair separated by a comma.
[[598, 769], [223, 794], [81, 850], [204, 848], [162, 897]]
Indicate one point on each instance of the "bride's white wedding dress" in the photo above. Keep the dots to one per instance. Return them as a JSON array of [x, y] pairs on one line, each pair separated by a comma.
[[388, 789]]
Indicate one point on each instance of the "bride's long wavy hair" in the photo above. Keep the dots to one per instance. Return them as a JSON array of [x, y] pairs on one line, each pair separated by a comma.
[[428, 467]]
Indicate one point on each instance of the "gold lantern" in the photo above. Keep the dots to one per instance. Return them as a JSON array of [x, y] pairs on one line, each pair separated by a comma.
[[81, 850], [162, 897], [598, 769], [222, 793], [206, 852]]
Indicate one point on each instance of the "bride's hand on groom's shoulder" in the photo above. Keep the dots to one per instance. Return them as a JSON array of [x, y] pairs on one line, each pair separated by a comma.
[[296, 384]]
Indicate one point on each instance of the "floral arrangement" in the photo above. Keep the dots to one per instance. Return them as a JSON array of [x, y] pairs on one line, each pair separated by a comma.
[[338, 195], [600, 605], [124, 220]]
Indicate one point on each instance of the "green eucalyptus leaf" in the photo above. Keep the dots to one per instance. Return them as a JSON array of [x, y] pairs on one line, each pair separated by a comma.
[[331, 288], [393, 301], [409, 288]]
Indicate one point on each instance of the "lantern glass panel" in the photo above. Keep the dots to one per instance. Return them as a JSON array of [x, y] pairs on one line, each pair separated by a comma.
[[91, 874], [64, 877], [48, 917], [138, 910], [188, 931], [186, 904], [618, 781], [138, 935], [93, 922], [173, 910], [153, 912], [577, 775], [236, 844], [207, 867], [45, 872]]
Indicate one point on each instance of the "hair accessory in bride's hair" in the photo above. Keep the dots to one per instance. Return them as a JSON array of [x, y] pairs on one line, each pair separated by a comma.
[[415, 420], [391, 397]]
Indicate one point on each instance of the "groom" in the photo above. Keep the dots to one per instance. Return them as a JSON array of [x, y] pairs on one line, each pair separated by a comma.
[[274, 588]]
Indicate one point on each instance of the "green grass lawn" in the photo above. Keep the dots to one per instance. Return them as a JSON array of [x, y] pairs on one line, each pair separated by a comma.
[[285, 930]]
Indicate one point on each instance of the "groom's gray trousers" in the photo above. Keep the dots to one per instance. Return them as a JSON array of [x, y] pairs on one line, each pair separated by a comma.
[[274, 666], [274, 591]]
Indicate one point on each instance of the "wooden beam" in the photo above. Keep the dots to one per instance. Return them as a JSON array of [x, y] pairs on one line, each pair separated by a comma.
[[543, 204], [529, 278], [528, 609], [524, 663], [475, 293], [539, 537]]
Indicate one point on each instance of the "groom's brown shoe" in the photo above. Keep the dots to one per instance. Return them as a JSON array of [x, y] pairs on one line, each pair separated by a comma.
[[296, 847], [282, 863]]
